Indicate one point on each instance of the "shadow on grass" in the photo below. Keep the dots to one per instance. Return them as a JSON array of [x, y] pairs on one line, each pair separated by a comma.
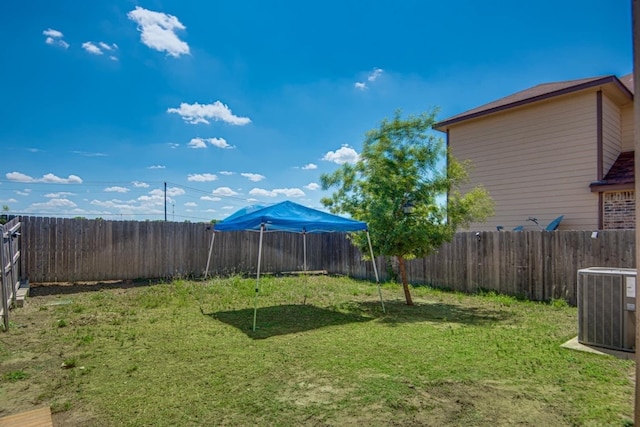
[[397, 312], [285, 319], [291, 319]]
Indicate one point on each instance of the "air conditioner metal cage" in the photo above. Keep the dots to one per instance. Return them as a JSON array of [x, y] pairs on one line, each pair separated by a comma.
[[606, 307]]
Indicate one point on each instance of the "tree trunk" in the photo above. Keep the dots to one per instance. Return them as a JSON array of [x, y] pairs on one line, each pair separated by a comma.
[[405, 285]]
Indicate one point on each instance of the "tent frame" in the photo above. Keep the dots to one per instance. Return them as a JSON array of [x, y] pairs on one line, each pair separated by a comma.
[[304, 245]]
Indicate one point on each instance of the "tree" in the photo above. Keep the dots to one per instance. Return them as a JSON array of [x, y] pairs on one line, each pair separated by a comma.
[[4, 217], [406, 186]]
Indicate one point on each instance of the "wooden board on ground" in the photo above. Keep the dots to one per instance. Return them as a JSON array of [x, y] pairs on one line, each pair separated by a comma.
[[40, 417]]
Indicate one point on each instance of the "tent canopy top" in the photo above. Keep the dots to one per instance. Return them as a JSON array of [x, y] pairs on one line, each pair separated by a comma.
[[288, 216]]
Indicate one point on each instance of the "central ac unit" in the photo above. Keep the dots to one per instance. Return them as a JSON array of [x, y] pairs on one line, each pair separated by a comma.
[[606, 307]]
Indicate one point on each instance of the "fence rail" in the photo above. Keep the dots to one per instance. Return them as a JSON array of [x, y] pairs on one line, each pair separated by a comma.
[[534, 264]]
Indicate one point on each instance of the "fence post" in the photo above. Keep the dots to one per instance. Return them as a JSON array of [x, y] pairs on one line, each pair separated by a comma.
[[5, 297]]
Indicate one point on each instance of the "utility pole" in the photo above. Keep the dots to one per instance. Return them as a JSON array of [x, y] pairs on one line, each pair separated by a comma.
[[165, 201]]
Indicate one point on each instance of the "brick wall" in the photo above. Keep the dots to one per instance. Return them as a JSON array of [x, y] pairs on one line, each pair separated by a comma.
[[619, 210]]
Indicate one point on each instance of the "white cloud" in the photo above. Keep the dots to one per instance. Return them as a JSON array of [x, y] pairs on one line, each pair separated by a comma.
[[48, 178], [171, 192], [105, 46], [197, 143], [19, 177], [210, 198], [54, 203], [202, 143], [219, 142], [121, 204], [100, 48], [310, 166], [372, 77], [154, 199], [156, 167], [23, 193], [191, 204], [173, 145], [226, 173], [224, 191], [288, 192], [58, 195], [377, 72], [158, 31], [54, 38], [255, 177], [89, 154], [199, 113], [202, 177], [139, 184], [116, 189], [53, 33], [312, 186], [91, 48], [344, 154]]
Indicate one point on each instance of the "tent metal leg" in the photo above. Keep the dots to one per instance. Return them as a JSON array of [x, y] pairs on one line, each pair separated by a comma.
[[255, 303], [304, 266], [375, 271], [206, 270]]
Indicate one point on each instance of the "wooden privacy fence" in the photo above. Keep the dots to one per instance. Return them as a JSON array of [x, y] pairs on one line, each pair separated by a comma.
[[76, 250], [534, 264], [73, 250], [9, 275], [537, 265]]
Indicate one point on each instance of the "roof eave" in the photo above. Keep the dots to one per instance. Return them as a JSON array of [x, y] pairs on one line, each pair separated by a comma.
[[441, 126], [599, 187]]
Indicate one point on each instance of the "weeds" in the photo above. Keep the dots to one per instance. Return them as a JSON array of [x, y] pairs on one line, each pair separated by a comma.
[[15, 376]]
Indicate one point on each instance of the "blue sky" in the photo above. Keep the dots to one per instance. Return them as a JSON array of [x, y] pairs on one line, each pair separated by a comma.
[[244, 102]]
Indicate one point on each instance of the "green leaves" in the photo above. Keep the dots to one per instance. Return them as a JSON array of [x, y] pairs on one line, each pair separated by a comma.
[[403, 162]]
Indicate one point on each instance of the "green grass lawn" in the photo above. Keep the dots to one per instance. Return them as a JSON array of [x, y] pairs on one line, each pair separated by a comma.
[[184, 354]]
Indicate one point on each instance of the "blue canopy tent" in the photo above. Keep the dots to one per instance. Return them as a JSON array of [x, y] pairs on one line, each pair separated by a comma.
[[288, 217]]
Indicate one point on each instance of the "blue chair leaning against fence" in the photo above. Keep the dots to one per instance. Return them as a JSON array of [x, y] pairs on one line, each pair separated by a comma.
[[553, 225]]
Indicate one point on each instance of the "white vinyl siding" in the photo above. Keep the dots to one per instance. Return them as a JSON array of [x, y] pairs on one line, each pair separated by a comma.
[[537, 160]]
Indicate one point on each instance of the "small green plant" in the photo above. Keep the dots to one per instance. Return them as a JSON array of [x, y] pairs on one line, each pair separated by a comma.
[[61, 323], [559, 303], [15, 376], [85, 339]]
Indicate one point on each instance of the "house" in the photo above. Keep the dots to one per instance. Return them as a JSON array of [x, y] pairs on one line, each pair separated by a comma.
[[563, 148]]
